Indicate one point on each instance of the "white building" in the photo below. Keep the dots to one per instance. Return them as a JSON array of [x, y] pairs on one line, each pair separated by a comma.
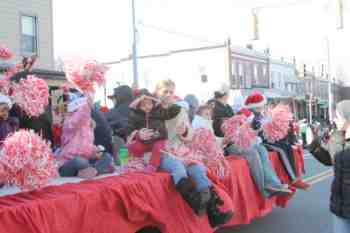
[[197, 71], [26, 27], [283, 78]]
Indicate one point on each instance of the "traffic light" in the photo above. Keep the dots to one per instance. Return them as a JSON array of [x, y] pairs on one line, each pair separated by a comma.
[[255, 25], [204, 78], [340, 14], [304, 70]]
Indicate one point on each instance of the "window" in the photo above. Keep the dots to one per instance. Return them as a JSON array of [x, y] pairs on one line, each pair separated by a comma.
[[29, 35]]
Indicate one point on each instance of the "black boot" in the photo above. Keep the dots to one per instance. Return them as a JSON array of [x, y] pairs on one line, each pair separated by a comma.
[[215, 216], [196, 200]]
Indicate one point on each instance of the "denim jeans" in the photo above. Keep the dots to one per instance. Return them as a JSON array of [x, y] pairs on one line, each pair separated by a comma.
[[341, 225], [179, 170], [286, 161], [71, 167], [259, 165]]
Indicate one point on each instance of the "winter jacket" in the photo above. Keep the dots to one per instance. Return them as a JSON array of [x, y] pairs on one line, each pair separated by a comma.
[[118, 116], [340, 197], [193, 104], [256, 123], [102, 132], [338, 151], [220, 113], [201, 122], [155, 120], [77, 134], [41, 125], [8, 127]]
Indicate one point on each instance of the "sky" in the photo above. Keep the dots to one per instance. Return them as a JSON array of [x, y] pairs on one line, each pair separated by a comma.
[[102, 29]]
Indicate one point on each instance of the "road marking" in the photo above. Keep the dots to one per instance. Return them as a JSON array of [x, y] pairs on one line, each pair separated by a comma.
[[319, 177]]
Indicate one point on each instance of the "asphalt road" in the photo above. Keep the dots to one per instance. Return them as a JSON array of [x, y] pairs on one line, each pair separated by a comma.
[[307, 212]]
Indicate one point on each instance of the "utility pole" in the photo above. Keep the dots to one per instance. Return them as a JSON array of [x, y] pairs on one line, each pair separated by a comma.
[[340, 9], [255, 24], [134, 47]]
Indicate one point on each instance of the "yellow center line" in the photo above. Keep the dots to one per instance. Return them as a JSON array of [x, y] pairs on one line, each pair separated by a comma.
[[319, 177]]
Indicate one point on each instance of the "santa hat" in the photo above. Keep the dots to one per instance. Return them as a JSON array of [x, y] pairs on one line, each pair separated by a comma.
[[4, 99], [255, 100]]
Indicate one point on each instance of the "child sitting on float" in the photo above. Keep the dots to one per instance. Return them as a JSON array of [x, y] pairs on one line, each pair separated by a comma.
[[256, 103], [8, 125], [186, 158], [146, 127], [78, 154]]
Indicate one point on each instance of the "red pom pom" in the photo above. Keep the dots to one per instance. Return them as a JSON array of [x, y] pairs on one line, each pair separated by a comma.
[[239, 131], [276, 126], [26, 161]]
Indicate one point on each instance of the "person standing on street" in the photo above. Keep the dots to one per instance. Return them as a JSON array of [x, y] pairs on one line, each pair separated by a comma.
[[337, 152]]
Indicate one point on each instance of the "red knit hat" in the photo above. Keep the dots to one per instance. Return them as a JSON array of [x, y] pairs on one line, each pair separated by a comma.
[[255, 100]]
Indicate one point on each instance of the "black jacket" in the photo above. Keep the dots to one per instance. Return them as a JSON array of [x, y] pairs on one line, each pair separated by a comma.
[[220, 113], [41, 124], [102, 132], [340, 192], [155, 120], [117, 117], [340, 198]]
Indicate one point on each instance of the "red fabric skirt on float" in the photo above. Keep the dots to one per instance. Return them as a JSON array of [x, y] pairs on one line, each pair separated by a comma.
[[127, 203]]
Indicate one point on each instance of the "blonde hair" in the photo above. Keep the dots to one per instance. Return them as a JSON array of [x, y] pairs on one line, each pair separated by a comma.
[[164, 83]]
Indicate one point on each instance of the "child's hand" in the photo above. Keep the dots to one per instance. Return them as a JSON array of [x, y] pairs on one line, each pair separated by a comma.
[[137, 101], [145, 134]]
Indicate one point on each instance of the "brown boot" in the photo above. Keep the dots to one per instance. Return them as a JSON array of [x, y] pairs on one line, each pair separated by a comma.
[[215, 216], [196, 200]]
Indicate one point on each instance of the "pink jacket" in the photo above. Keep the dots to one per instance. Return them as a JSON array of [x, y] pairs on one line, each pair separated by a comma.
[[77, 134]]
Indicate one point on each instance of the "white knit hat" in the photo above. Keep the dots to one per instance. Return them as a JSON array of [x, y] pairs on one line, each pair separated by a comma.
[[4, 99]]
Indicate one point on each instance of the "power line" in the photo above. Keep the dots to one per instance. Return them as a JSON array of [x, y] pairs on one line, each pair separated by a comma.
[[166, 54], [282, 5], [176, 33]]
